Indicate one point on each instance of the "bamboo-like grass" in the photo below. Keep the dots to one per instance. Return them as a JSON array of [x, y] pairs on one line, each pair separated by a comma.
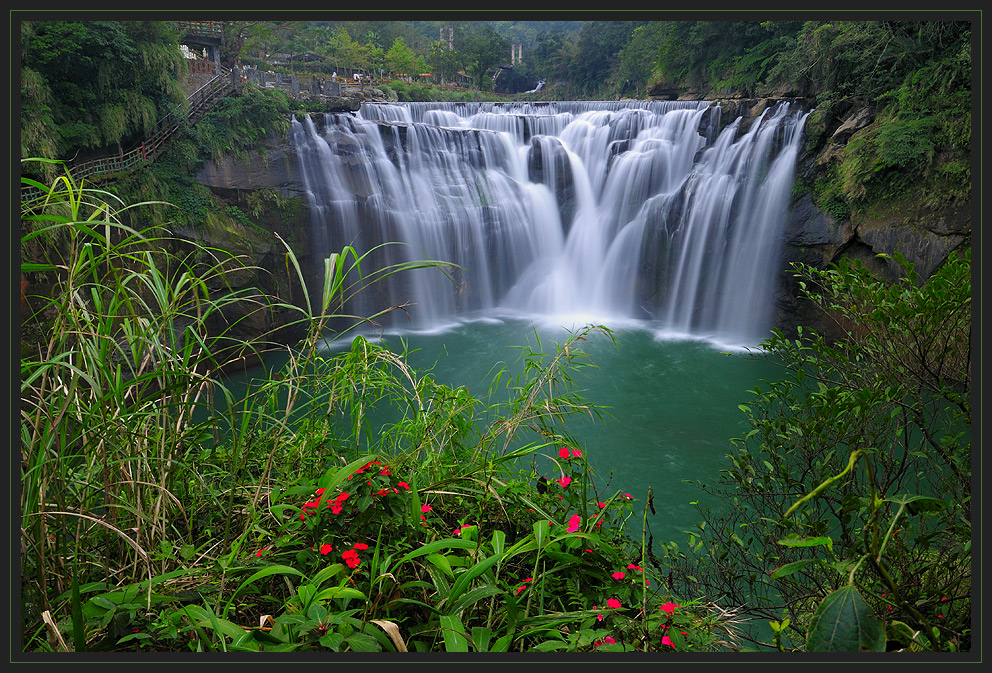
[[146, 477]]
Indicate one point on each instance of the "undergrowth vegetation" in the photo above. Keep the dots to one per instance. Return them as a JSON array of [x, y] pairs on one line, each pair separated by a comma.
[[163, 511]]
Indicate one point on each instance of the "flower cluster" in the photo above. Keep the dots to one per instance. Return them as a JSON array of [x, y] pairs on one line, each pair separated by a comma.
[[335, 505], [351, 557], [669, 609]]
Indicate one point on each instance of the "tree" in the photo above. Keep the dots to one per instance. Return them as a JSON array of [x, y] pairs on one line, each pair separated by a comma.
[[481, 49], [401, 59], [443, 62], [346, 53], [103, 82], [853, 486], [242, 38]]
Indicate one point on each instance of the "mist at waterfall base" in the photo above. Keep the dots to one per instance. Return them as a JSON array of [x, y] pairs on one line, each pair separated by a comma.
[[644, 217]]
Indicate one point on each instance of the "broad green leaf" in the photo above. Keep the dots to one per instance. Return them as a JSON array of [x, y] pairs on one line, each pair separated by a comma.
[[362, 642], [454, 634], [919, 503], [789, 568], [901, 633], [339, 592], [463, 581], [481, 636], [503, 644], [794, 540], [441, 561], [843, 622], [206, 617], [542, 532], [474, 596], [439, 545], [265, 572]]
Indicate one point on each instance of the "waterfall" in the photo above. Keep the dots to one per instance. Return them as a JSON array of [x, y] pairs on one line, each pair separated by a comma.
[[560, 210]]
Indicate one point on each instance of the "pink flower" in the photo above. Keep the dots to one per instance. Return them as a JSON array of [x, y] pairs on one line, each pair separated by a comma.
[[665, 640], [326, 549], [669, 607], [602, 505], [425, 508], [573, 523], [619, 575], [628, 496], [565, 481], [612, 603], [403, 484], [564, 453], [633, 566], [361, 545], [576, 453], [607, 639]]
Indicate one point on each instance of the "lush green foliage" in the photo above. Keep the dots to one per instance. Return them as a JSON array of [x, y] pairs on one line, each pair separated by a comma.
[[162, 510], [88, 85], [856, 474]]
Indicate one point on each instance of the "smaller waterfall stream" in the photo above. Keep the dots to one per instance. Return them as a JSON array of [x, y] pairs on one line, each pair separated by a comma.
[[596, 210]]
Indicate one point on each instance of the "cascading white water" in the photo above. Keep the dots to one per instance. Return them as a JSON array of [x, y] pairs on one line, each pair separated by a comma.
[[606, 210]]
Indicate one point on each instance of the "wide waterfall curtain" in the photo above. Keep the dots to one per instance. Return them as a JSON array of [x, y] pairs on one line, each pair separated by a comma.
[[612, 210]]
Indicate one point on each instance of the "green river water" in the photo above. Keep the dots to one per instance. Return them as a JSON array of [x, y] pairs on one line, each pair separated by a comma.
[[669, 405]]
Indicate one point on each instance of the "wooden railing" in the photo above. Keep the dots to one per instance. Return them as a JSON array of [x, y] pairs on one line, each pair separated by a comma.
[[200, 101]]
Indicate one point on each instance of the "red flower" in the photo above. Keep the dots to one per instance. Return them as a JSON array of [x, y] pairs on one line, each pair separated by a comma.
[[665, 640], [565, 481], [425, 508], [403, 484], [612, 603], [361, 545], [564, 453], [350, 557], [573, 523], [576, 453], [602, 505], [634, 567], [619, 575], [320, 491], [669, 607], [326, 549]]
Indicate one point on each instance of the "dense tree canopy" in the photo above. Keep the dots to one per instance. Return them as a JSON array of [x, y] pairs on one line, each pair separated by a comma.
[[88, 85], [92, 84]]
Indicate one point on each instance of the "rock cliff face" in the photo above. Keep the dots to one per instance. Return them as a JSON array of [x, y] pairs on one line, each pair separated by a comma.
[[924, 235], [813, 236]]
